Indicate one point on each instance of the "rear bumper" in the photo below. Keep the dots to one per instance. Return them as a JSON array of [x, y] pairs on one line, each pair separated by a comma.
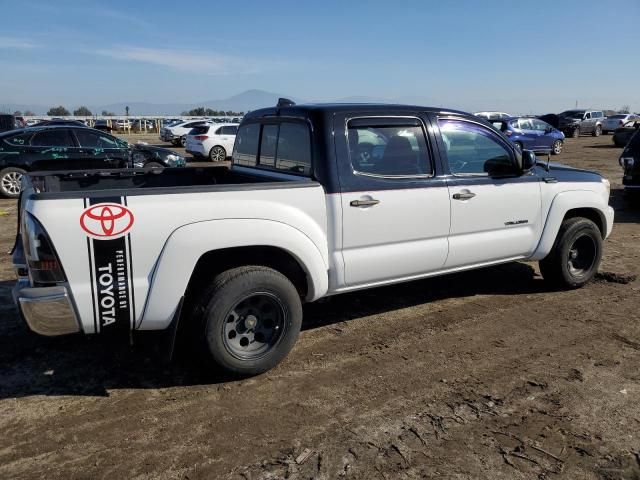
[[46, 310], [194, 149]]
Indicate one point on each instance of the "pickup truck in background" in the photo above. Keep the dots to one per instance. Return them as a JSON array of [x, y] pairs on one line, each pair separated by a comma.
[[320, 200], [574, 123]]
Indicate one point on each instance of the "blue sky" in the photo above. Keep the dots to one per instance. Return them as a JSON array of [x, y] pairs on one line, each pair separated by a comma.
[[522, 57]]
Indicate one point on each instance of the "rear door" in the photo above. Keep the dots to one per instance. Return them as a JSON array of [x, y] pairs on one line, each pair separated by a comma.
[[544, 139], [529, 136], [492, 219], [53, 149], [395, 212]]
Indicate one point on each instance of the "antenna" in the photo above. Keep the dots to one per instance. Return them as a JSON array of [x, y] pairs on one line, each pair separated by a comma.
[[285, 102], [548, 160]]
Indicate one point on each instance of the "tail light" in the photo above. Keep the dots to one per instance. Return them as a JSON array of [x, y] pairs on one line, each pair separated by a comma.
[[42, 261], [201, 137]]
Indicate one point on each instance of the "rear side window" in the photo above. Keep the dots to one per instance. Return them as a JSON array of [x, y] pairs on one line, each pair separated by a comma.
[[19, 139], [388, 147], [52, 138], [201, 130], [229, 130], [284, 146]]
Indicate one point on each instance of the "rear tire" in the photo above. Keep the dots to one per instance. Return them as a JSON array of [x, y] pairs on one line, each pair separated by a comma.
[[249, 319], [10, 182], [218, 154], [575, 256], [518, 145], [597, 131]]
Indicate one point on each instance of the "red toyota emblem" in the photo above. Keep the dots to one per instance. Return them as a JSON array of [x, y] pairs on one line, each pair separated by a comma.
[[106, 220]]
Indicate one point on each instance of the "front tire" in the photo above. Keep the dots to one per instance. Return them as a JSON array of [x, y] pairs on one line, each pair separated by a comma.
[[183, 142], [575, 256], [557, 146], [598, 131], [10, 182], [218, 154], [575, 133], [250, 318]]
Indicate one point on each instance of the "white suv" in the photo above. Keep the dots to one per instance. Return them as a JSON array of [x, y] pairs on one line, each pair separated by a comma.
[[177, 134], [214, 140]]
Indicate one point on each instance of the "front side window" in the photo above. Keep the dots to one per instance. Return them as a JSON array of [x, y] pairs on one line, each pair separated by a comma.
[[388, 147], [472, 149], [587, 116], [89, 139], [52, 138]]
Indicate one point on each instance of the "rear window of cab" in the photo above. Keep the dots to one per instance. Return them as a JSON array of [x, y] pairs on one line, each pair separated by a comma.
[[283, 147]]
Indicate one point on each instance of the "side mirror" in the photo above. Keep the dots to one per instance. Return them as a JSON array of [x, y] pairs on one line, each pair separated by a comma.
[[548, 130], [498, 167], [529, 160]]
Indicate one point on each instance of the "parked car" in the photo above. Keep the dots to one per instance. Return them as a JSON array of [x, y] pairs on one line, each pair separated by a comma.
[[177, 134], [57, 121], [7, 122], [140, 125], [121, 124], [310, 208], [574, 123], [630, 162], [531, 134], [611, 123], [623, 134], [212, 140], [70, 147], [492, 115]]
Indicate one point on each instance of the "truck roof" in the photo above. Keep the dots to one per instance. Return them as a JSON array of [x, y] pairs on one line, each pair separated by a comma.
[[304, 110]]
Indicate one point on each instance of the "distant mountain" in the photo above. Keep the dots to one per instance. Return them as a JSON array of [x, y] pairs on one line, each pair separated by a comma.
[[243, 102]]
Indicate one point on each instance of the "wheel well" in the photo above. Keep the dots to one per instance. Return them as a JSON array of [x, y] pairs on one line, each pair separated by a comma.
[[592, 214], [215, 262]]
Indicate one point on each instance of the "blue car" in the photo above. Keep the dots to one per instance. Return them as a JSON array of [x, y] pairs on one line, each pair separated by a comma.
[[531, 134]]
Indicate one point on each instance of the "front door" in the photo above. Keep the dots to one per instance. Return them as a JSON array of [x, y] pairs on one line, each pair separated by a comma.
[[395, 213], [100, 150], [492, 219]]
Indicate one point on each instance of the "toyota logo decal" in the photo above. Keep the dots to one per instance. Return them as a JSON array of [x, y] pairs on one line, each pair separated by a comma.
[[106, 220]]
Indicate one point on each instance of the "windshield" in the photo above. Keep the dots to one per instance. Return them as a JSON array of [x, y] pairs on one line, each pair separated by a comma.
[[573, 114]]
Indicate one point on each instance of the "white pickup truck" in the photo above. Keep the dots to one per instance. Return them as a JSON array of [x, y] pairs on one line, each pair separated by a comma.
[[320, 200]]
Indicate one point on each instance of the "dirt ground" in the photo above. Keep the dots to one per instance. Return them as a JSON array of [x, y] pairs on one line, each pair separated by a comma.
[[482, 375]]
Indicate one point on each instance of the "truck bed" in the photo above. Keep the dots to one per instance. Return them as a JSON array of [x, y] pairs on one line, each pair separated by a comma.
[[158, 181]]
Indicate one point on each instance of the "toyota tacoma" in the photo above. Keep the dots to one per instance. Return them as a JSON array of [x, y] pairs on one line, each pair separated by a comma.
[[320, 200]]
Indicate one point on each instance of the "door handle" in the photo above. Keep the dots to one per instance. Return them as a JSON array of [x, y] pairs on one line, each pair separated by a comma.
[[364, 203], [463, 196]]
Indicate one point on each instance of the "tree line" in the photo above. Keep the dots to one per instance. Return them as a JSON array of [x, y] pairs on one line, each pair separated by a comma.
[[209, 112], [83, 111]]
